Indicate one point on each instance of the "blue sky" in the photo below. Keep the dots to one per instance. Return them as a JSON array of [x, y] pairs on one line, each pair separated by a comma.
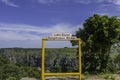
[[24, 22]]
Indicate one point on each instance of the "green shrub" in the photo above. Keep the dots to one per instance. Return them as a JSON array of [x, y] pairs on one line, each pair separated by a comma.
[[11, 78], [109, 77]]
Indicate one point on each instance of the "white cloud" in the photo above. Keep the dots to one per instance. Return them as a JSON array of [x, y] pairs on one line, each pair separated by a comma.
[[47, 1], [104, 14], [101, 13], [20, 35], [21, 44], [83, 1], [115, 2], [9, 3], [10, 35], [38, 29]]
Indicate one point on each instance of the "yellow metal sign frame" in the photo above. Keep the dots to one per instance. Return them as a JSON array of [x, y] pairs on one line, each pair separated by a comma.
[[79, 73]]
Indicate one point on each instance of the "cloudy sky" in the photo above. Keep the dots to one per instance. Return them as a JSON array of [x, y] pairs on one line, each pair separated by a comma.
[[24, 22]]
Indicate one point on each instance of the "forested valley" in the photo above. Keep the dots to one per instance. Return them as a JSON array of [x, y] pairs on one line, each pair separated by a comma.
[[20, 62], [16, 63]]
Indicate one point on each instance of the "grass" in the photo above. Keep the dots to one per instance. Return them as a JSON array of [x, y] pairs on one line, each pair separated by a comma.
[[108, 76]]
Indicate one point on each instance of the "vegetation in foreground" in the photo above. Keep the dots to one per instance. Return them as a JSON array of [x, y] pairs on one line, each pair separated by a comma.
[[10, 71]]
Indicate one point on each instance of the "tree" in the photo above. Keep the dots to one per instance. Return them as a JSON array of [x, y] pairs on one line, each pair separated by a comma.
[[98, 35], [10, 70]]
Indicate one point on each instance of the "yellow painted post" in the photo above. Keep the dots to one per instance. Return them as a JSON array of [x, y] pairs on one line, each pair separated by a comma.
[[43, 60], [61, 74], [80, 59]]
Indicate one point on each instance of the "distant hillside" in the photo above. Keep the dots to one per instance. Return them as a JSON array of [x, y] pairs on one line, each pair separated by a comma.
[[55, 58]]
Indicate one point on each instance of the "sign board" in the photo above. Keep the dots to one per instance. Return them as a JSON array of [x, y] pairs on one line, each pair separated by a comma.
[[61, 36]]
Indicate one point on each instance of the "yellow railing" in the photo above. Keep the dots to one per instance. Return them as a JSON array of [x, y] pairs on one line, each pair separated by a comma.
[[79, 73]]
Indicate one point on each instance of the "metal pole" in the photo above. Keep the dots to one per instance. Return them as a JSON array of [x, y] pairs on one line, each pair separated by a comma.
[[80, 59], [43, 60]]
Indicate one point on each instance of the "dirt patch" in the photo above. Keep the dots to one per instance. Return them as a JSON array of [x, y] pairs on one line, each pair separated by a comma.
[[87, 77], [102, 77]]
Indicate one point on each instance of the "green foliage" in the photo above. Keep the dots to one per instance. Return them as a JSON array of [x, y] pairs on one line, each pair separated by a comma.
[[83, 78], [9, 71], [98, 35], [30, 72], [108, 77], [56, 59], [117, 61], [3, 61], [19, 62], [11, 78]]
